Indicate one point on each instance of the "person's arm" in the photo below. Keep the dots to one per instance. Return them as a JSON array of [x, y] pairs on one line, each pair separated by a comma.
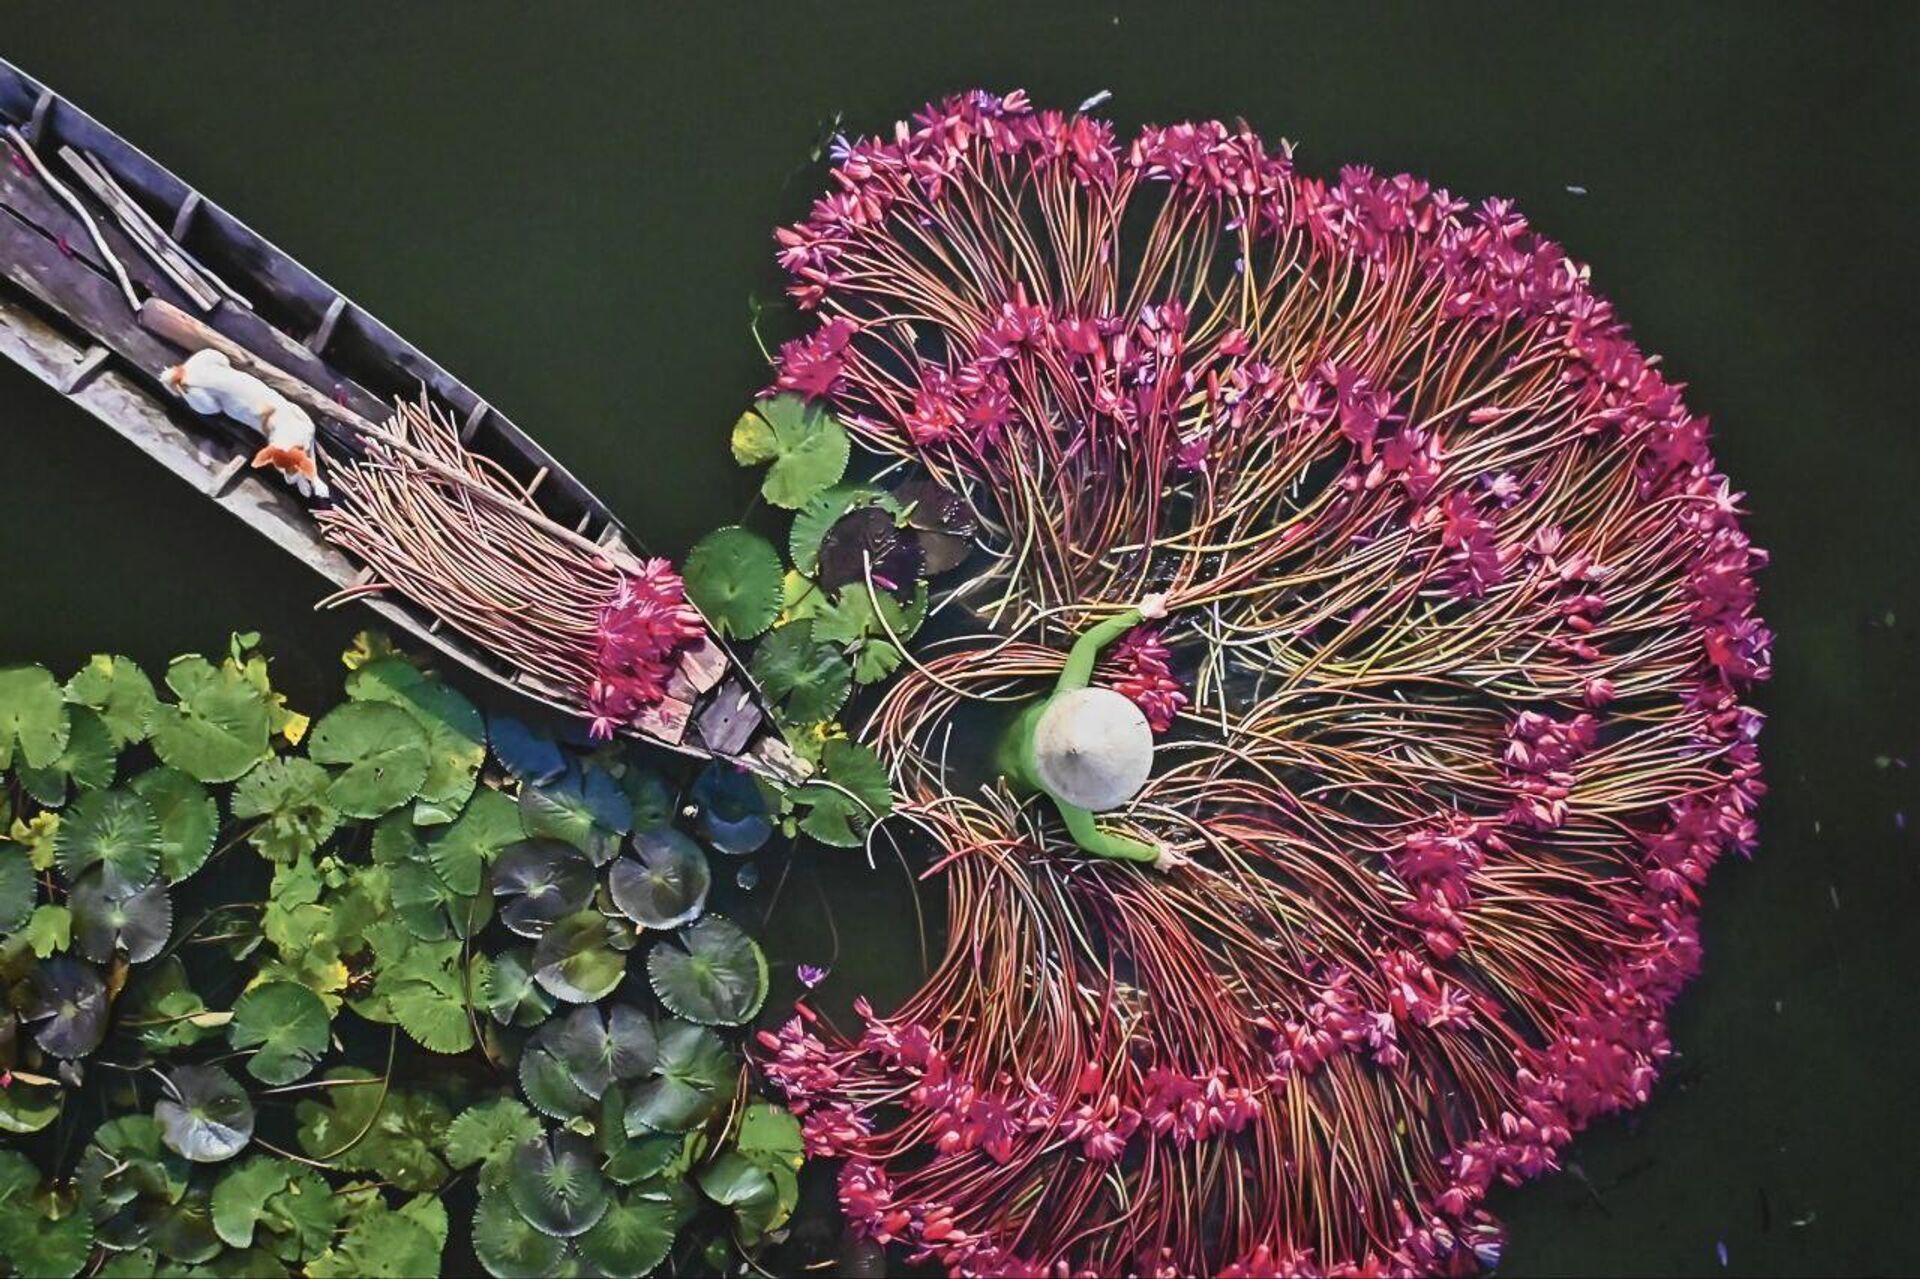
[[1103, 843], [1078, 672]]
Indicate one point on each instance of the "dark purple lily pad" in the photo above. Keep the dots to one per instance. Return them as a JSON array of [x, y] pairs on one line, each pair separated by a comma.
[[943, 522], [869, 536], [103, 922], [539, 881], [70, 1003]]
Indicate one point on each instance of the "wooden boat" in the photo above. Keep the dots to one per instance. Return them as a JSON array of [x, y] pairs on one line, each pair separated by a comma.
[[112, 268]]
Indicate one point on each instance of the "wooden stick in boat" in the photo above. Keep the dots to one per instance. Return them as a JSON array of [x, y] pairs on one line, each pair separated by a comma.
[[72, 201], [168, 321], [108, 193]]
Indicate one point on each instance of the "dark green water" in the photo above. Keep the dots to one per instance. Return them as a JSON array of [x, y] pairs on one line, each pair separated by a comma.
[[571, 206]]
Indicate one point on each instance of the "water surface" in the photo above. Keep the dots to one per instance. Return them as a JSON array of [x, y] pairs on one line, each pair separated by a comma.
[[570, 207]]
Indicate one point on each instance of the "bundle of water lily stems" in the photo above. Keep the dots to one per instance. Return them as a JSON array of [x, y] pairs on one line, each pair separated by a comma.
[[589, 626], [1467, 615]]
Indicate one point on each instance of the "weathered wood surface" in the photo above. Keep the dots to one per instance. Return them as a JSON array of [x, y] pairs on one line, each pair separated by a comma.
[[82, 264]]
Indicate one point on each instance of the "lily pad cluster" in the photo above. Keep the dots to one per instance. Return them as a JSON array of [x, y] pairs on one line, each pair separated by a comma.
[[831, 612], [187, 1070]]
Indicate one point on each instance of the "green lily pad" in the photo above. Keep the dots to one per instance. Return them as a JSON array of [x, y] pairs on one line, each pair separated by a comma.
[[719, 979], [456, 733], [488, 1133], [547, 1082], [693, 1075], [822, 512], [184, 1230], [733, 577], [511, 996], [854, 795], [218, 729], [239, 1200], [432, 1009], [53, 1248], [112, 829], [290, 797], [770, 1135], [632, 1237], [19, 890], [382, 752], [33, 717], [599, 1051], [539, 881], [574, 962], [70, 1004], [120, 692], [556, 1184], [104, 923], [664, 884], [489, 823], [508, 1245], [805, 681], [187, 815], [205, 1116], [287, 1024], [807, 445], [585, 808], [757, 1195], [88, 761]]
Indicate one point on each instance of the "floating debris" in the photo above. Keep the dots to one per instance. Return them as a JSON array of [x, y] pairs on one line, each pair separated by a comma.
[[748, 877]]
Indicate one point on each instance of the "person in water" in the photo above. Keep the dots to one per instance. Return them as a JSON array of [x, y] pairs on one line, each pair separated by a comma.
[[1089, 749]]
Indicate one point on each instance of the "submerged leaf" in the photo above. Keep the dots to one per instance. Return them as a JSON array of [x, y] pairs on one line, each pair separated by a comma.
[[720, 979], [382, 752], [733, 578], [868, 544], [734, 817], [528, 753], [665, 884], [206, 1115]]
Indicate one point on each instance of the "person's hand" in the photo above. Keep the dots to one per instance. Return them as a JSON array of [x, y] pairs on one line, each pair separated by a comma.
[[1153, 607], [1170, 859]]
